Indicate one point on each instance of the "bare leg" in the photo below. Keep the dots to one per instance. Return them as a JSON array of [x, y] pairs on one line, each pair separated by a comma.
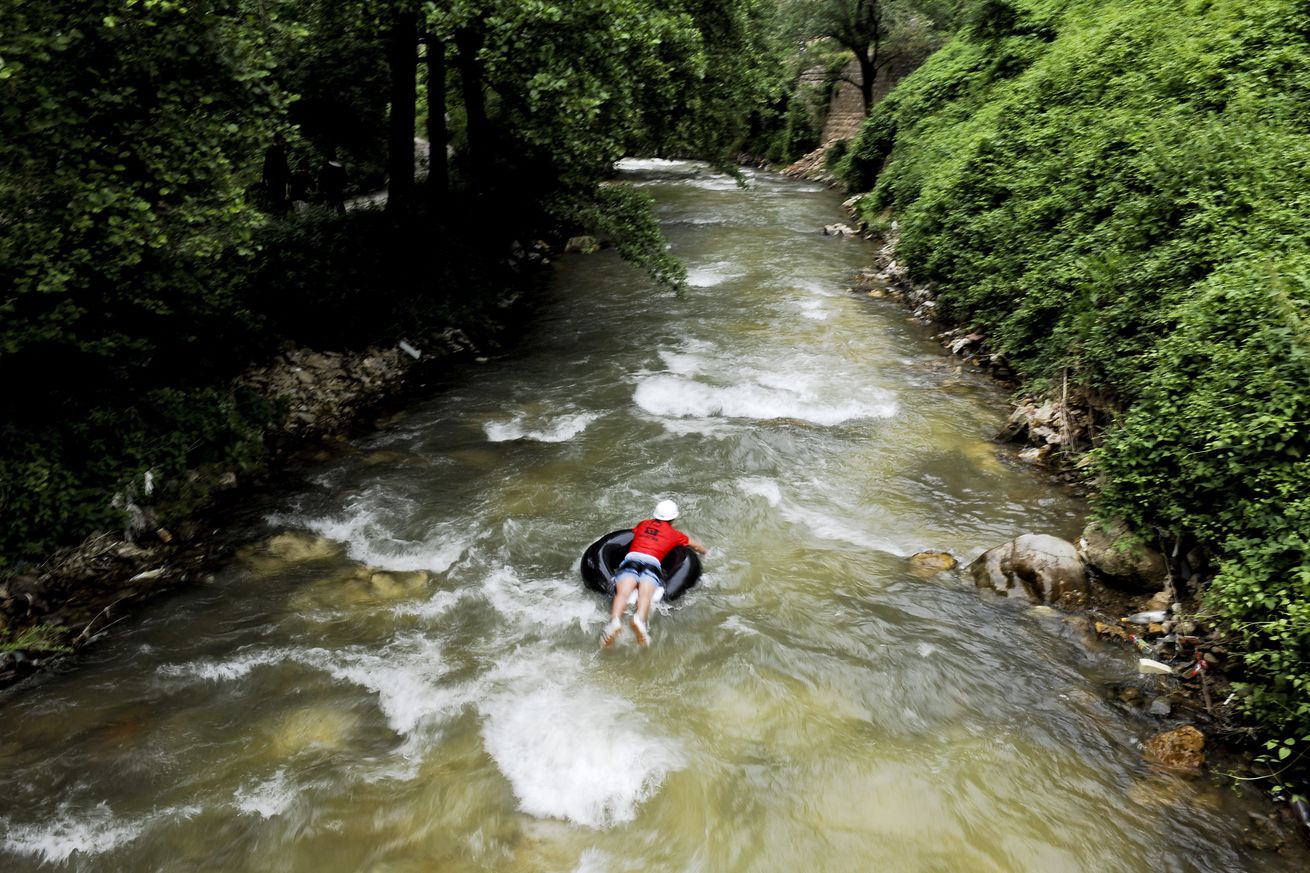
[[645, 593], [623, 589]]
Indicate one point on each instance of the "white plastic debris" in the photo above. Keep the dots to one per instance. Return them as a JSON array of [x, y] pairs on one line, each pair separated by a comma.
[[410, 350], [1154, 616], [1149, 665]]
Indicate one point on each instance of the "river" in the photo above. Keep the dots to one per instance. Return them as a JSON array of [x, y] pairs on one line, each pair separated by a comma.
[[421, 689]]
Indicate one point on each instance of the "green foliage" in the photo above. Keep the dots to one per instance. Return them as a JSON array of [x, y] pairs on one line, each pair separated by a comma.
[[573, 87], [331, 56], [1117, 190], [875, 32], [344, 281], [1218, 445], [138, 276], [38, 638], [836, 152], [788, 130], [122, 137], [624, 214]]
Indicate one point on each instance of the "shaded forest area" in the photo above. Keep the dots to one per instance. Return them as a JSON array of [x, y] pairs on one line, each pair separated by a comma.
[[145, 266]]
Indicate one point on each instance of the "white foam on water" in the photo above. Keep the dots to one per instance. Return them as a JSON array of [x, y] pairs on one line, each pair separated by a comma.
[[658, 165], [559, 429], [673, 396], [700, 382], [437, 605], [226, 669], [712, 428], [827, 526], [766, 488], [403, 674], [570, 749], [819, 289], [823, 524], [594, 861], [688, 361], [552, 602], [59, 837], [693, 174], [266, 799], [369, 541], [711, 275], [816, 310], [736, 624], [713, 183]]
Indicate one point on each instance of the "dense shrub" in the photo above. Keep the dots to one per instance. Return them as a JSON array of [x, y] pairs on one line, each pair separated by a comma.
[[138, 276], [323, 280], [1117, 191]]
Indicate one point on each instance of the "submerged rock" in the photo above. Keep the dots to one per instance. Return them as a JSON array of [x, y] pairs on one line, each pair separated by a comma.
[[396, 585], [1035, 454], [1040, 567], [290, 547], [931, 562], [314, 727]]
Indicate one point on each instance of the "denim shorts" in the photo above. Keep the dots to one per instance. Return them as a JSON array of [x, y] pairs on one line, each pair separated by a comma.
[[644, 567]]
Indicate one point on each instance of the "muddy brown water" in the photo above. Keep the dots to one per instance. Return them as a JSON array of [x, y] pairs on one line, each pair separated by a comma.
[[408, 679]]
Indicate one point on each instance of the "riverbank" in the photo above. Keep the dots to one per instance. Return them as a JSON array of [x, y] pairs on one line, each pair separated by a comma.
[[178, 530], [1144, 601]]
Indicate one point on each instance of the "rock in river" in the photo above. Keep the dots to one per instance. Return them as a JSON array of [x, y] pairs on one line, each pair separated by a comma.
[[1040, 567], [931, 562]]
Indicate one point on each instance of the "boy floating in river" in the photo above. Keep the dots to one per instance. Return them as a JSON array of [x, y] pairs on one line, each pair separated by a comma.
[[652, 539]]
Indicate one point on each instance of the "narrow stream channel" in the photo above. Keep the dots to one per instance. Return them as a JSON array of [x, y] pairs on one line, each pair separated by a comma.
[[421, 689]]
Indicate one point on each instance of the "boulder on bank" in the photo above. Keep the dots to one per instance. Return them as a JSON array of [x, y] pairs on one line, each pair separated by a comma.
[[1182, 748], [582, 245], [1121, 560], [1042, 568]]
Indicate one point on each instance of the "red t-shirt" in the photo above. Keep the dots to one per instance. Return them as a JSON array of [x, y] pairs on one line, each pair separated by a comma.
[[656, 538]]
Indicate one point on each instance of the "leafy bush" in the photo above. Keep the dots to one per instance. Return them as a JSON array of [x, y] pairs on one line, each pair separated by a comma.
[[1117, 191], [1218, 445], [836, 152]]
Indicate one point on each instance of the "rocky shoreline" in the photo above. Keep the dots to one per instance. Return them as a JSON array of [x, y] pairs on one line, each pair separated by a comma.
[[71, 599], [1115, 591]]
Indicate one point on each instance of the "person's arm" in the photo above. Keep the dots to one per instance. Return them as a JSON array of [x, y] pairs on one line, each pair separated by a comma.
[[696, 546]]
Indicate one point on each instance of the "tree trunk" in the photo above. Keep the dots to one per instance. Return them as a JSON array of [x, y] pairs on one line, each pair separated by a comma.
[[868, 72], [469, 40], [438, 173], [402, 49]]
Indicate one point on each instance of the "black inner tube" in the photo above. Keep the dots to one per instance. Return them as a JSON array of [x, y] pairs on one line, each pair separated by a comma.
[[681, 565]]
